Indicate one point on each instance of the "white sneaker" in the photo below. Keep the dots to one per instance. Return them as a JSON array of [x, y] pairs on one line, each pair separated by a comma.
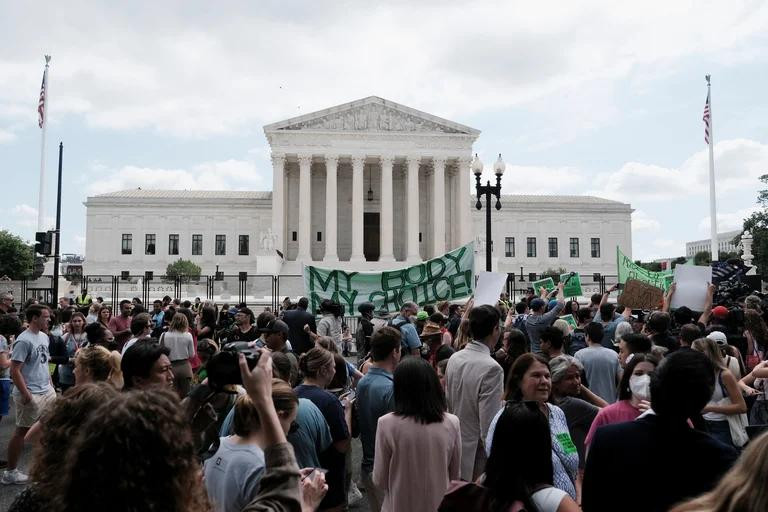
[[353, 495], [14, 477]]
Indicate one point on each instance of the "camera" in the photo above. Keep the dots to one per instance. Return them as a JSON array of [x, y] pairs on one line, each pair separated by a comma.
[[224, 367]]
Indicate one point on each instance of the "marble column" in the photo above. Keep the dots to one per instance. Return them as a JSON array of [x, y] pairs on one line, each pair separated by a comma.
[[412, 210], [438, 207], [387, 225], [278, 201], [331, 216], [358, 164], [463, 199], [305, 208]]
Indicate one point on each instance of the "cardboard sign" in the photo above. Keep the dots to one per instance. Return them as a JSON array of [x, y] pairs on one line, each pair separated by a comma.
[[547, 283], [640, 295], [572, 286]]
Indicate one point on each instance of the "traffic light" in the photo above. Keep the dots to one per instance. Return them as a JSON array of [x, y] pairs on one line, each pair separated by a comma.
[[44, 243], [39, 267]]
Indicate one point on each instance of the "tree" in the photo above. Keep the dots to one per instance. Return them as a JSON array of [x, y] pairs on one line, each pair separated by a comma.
[[653, 266], [702, 258], [184, 269], [553, 273], [757, 224], [678, 261], [17, 258]]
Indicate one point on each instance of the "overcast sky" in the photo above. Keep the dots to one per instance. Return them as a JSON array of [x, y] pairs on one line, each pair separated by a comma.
[[587, 97]]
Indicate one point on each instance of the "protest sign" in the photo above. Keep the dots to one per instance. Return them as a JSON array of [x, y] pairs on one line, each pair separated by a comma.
[[571, 321], [640, 295], [450, 276], [627, 269], [547, 283], [691, 284], [572, 284], [489, 287]]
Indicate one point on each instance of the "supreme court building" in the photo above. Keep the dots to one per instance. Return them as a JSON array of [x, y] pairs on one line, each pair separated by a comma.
[[368, 185]]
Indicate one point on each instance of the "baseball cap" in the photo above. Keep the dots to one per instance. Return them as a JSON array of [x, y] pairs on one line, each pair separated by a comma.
[[275, 326], [720, 312], [718, 337], [537, 303]]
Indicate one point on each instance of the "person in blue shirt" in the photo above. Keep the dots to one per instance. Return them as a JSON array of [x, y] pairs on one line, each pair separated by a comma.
[[375, 398], [411, 344], [158, 315]]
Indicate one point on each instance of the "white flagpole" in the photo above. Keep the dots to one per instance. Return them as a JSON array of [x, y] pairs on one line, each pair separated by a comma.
[[712, 202], [41, 192]]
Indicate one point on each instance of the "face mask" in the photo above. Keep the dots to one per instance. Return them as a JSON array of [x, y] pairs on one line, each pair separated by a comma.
[[640, 385]]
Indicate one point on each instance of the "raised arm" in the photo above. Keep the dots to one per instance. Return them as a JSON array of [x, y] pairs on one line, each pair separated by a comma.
[[605, 297], [704, 318], [668, 297]]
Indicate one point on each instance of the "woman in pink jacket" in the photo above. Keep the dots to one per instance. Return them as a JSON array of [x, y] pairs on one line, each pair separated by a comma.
[[418, 446]]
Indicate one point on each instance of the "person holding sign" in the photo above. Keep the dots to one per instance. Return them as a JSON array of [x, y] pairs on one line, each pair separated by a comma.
[[540, 319]]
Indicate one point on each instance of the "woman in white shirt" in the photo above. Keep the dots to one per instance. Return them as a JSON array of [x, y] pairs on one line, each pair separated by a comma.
[[179, 340], [726, 398]]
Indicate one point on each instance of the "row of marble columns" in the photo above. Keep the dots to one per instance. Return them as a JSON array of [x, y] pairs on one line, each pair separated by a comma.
[[387, 205]]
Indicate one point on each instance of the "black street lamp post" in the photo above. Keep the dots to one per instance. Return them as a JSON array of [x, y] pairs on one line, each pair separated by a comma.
[[488, 191]]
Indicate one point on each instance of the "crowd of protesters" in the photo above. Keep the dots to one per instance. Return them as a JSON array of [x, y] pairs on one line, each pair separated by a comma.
[[456, 407]]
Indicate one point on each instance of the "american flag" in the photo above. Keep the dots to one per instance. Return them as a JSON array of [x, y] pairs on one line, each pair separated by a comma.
[[707, 118], [41, 104], [727, 270]]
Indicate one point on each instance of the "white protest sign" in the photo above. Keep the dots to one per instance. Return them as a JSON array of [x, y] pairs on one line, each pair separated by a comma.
[[489, 287], [691, 286]]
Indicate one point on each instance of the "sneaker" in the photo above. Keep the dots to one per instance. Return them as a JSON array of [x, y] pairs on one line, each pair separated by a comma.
[[353, 495], [14, 477]]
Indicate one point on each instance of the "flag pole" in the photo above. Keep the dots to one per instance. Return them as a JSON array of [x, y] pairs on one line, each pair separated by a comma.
[[712, 203], [41, 191]]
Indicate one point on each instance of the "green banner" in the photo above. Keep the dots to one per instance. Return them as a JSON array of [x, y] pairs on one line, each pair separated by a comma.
[[572, 287], [627, 269], [450, 276]]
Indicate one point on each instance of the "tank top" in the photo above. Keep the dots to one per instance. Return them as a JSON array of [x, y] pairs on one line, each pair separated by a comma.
[[717, 395]]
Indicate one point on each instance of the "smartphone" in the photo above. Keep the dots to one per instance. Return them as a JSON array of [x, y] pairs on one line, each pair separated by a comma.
[[311, 474], [349, 395], [619, 286]]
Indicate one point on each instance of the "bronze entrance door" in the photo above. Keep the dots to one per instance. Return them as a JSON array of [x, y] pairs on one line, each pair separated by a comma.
[[371, 238]]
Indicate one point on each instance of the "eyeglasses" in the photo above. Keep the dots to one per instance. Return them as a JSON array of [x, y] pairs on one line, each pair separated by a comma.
[[293, 428]]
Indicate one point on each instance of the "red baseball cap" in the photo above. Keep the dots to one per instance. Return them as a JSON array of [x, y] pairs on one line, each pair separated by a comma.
[[720, 311]]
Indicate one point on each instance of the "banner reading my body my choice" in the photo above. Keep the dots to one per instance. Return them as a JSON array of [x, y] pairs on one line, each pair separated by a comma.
[[627, 269], [450, 276]]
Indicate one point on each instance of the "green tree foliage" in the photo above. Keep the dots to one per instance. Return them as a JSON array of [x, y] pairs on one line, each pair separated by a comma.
[[17, 258], [652, 266], [184, 269], [679, 261], [553, 273], [757, 224], [702, 258]]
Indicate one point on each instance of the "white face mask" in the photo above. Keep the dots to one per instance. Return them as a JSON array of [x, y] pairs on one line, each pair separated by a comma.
[[640, 385]]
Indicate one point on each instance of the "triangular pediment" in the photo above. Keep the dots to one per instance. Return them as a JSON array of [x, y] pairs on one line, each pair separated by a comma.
[[372, 114]]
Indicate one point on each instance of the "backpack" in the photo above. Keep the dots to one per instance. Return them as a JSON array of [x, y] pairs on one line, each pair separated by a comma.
[[519, 324], [578, 341], [398, 325]]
